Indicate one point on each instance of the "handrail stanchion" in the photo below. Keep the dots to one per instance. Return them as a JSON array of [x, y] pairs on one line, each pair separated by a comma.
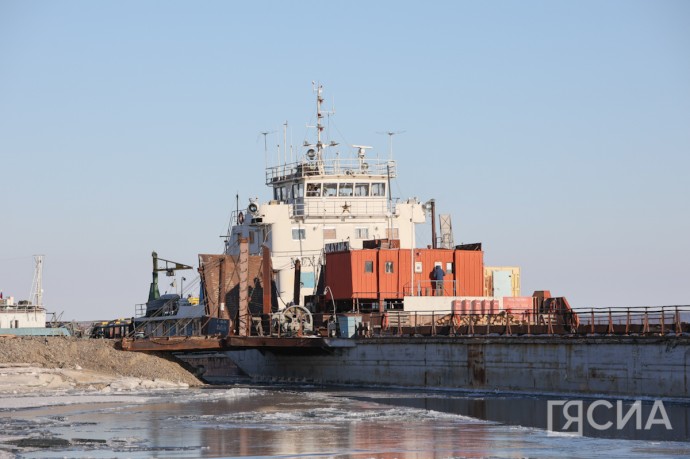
[[508, 331], [679, 328], [433, 324], [645, 326], [550, 324], [470, 326], [627, 323], [609, 331], [662, 321], [591, 322]]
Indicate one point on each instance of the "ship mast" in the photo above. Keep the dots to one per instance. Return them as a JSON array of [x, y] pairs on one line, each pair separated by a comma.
[[37, 285], [319, 126]]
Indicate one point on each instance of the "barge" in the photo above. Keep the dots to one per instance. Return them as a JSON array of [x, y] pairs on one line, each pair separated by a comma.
[[324, 284]]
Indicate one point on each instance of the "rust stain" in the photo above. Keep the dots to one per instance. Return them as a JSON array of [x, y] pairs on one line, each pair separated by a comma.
[[475, 365]]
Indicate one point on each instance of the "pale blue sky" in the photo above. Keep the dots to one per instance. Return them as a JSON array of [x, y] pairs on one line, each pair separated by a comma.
[[556, 133]]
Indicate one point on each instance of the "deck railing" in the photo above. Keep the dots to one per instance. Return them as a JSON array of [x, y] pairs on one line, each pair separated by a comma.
[[331, 166], [431, 288], [669, 321], [634, 321]]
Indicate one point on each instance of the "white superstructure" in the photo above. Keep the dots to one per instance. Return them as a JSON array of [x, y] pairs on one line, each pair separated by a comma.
[[26, 314], [318, 200]]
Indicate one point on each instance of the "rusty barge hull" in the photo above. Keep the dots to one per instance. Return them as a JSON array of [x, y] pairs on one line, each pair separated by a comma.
[[618, 366]]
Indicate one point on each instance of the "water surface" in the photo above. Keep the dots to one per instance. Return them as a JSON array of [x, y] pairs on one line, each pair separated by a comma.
[[313, 422]]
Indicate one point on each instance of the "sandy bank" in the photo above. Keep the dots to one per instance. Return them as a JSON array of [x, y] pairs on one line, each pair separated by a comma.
[[56, 363]]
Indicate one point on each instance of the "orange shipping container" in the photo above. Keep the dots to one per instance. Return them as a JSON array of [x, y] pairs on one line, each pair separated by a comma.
[[424, 262], [393, 273], [469, 266], [364, 278], [384, 274]]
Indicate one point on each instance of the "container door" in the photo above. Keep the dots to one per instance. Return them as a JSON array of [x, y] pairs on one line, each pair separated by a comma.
[[503, 284]]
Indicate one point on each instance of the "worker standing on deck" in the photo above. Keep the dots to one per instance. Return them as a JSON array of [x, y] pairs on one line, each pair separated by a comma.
[[438, 275]]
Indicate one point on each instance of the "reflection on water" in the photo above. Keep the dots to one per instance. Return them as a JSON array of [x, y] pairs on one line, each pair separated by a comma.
[[316, 423], [533, 411]]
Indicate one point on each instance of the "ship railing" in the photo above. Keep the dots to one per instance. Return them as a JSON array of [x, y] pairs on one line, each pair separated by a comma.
[[332, 167], [191, 326], [592, 322], [164, 325], [431, 288], [640, 319]]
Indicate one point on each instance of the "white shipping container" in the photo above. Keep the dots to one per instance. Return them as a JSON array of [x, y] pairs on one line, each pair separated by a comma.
[[489, 280]]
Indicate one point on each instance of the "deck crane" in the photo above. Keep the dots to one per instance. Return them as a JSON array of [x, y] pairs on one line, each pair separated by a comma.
[[169, 267]]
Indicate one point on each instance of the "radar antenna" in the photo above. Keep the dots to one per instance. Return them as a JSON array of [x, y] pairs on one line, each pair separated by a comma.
[[361, 153], [390, 135], [265, 134]]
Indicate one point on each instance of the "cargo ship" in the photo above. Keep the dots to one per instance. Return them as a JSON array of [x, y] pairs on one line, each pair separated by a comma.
[[324, 283]]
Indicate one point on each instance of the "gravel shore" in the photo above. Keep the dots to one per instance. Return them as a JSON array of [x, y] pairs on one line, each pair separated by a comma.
[[29, 364]]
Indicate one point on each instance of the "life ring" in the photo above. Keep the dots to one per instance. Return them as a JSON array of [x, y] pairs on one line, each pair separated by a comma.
[[240, 218]]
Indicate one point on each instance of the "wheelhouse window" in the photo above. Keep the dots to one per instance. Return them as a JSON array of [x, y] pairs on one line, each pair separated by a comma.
[[330, 189], [313, 190], [378, 189], [362, 233], [345, 189], [298, 190], [362, 189], [299, 234], [280, 193]]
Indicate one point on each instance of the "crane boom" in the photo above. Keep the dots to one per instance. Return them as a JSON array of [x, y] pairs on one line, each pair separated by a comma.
[[169, 267]]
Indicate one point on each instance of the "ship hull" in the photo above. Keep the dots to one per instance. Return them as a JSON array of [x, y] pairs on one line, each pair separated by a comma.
[[617, 366]]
